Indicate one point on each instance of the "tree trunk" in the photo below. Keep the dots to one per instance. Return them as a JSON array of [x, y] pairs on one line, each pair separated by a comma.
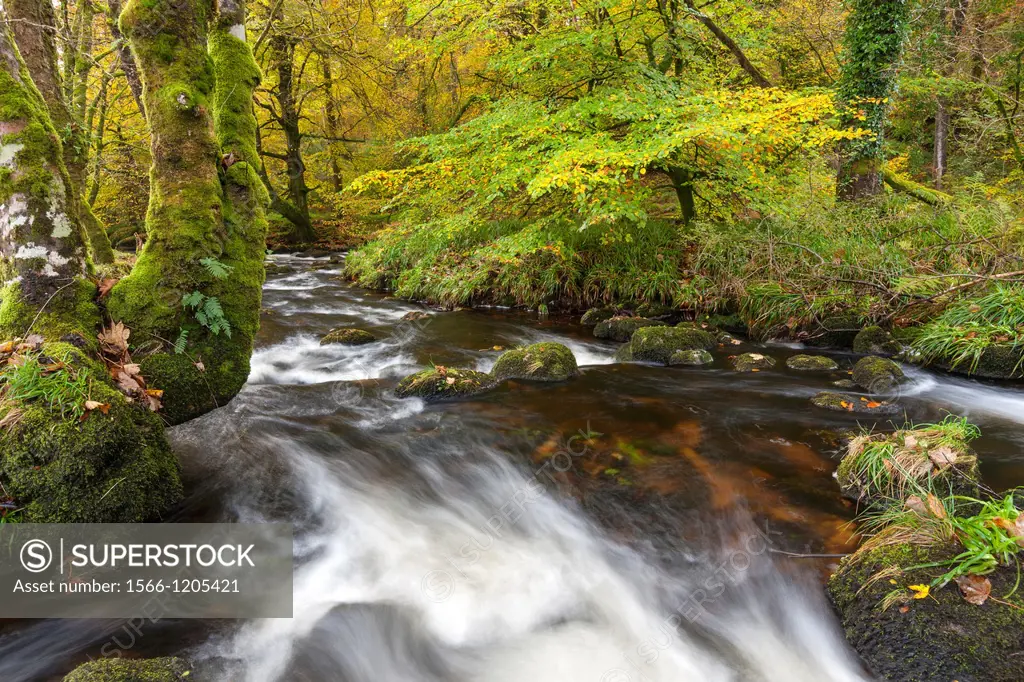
[[331, 113], [124, 54], [42, 247], [682, 182], [875, 32], [34, 26], [283, 50], [941, 135]]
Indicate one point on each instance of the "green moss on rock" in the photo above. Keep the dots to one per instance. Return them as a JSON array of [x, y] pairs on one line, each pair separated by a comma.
[[348, 337], [691, 358], [942, 637], [811, 363], [658, 344], [840, 402], [653, 310], [874, 340], [595, 315], [442, 383], [133, 670], [546, 361], [622, 328], [835, 331], [748, 362], [74, 315], [109, 468], [877, 375]]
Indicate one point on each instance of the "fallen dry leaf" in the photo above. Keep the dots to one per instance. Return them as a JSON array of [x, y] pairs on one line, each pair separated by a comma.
[[943, 456], [106, 285], [910, 441], [131, 369], [871, 405], [127, 383], [450, 380], [34, 341], [936, 507], [974, 588], [91, 405], [7, 347], [114, 340], [920, 591], [916, 505], [200, 366], [1015, 529]]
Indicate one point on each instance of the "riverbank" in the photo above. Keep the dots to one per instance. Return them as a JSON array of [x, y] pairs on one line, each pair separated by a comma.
[[940, 279]]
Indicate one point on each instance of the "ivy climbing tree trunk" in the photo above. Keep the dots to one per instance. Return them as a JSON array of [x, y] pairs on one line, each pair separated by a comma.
[[34, 27], [875, 33], [193, 296]]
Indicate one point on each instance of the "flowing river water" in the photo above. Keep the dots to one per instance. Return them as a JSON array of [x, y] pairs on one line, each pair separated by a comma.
[[635, 523]]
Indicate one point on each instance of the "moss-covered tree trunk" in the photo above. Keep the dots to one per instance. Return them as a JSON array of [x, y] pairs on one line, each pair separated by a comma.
[[41, 243], [34, 27], [60, 463], [194, 294], [875, 32]]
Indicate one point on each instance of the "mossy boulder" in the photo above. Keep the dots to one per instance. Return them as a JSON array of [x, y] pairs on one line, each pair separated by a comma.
[[940, 637], [348, 337], [624, 353], [874, 340], [622, 328], [996, 362], [444, 383], [878, 375], [415, 316], [749, 362], [907, 456], [840, 402], [811, 363], [133, 670], [595, 315], [546, 361], [835, 331], [106, 468], [733, 324], [691, 358], [659, 344], [653, 310]]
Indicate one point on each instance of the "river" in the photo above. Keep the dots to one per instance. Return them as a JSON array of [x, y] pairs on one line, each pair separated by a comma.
[[635, 523]]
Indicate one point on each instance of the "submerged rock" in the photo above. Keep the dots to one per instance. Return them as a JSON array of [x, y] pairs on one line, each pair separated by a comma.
[[133, 670], [840, 402], [691, 358], [748, 362], [622, 328], [546, 361], [812, 363], [845, 383], [877, 375], [441, 383], [348, 337], [595, 315], [658, 344], [876, 341], [414, 315]]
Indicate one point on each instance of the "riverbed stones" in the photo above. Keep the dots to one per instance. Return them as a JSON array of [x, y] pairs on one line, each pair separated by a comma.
[[691, 358], [811, 363], [547, 361], [750, 362], [874, 340], [117, 669], [621, 328], [877, 375], [653, 310], [841, 402], [658, 344], [348, 337], [595, 315], [415, 316], [444, 383]]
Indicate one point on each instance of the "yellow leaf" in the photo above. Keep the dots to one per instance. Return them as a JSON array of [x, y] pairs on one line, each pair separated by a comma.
[[920, 591]]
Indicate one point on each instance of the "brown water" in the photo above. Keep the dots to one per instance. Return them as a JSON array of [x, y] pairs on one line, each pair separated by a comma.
[[477, 540]]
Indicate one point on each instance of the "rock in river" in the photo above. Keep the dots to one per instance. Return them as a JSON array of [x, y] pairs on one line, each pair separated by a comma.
[[811, 363], [621, 328], [748, 362], [348, 337], [442, 383], [545, 361]]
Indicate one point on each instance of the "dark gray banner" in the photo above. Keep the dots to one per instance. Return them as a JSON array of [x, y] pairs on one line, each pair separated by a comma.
[[163, 570]]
